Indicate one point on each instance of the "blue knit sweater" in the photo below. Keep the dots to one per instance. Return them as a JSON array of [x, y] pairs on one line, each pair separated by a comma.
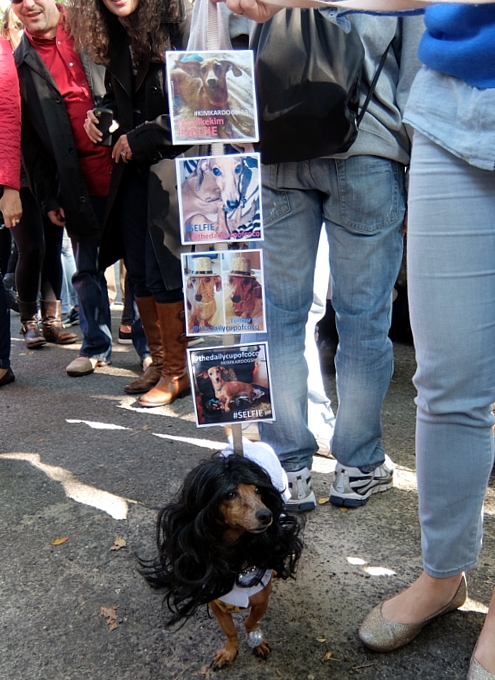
[[460, 40]]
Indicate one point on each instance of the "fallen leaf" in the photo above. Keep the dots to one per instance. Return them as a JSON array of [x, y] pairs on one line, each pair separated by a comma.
[[278, 672], [110, 614], [327, 656], [321, 639], [59, 541], [344, 509], [119, 543], [323, 501]]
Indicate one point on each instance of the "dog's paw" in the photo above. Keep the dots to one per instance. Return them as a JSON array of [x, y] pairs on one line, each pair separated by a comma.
[[224, 657], [263, 650]]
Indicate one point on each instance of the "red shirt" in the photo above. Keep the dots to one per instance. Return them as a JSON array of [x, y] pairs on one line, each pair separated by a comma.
[[66, 68]]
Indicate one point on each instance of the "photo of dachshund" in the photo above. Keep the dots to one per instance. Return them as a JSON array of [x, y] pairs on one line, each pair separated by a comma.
[[201, 302], [244, 291], [212, 95], [202, 84], [227, 390], [219, 197], [223, 538]]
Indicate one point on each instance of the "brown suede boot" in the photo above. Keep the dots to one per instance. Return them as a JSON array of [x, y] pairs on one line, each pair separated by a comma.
[[30, 327], [151, 326], [51, 323], [174, 381]]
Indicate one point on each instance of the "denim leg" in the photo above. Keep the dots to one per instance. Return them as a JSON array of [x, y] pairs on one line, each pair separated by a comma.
[[293, 219], [94, 307], [364, 219], [4, 327], [451, 274]]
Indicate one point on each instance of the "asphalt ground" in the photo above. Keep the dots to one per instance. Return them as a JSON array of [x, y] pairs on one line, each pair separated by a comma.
[[83, 471]]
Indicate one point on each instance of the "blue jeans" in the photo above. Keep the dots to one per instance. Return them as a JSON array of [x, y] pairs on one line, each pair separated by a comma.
[[361, 201], [91, 288], [451, 285]]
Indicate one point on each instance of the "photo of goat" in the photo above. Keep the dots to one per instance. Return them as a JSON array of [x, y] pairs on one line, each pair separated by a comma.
[[243, 289], [203, 298], [211, 96], [231, 384], [221, 541], [219, 198]]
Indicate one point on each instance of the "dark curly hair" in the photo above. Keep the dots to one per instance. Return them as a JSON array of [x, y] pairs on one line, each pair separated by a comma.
[[194, 565], [151, 27]]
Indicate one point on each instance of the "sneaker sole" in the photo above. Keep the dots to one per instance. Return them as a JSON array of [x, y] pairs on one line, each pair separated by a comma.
[[124, 342], [308, 504], [79, 374], [349, 502]]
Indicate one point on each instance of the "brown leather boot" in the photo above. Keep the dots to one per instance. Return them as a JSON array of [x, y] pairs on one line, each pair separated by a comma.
[[30, 328], [174, 381], [151, 326], [51, 323]]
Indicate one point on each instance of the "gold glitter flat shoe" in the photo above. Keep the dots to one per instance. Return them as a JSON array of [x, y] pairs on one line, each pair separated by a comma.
[[381, 635], [477, 672]]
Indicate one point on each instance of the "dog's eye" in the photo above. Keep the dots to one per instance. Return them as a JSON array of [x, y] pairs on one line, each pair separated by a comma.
[[237, 169], [207, 279], [257, 491], [230, 495], [217, 172]]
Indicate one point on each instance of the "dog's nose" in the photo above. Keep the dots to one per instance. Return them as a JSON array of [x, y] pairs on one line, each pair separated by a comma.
[[198, 298], [236, 298], [264, 516]]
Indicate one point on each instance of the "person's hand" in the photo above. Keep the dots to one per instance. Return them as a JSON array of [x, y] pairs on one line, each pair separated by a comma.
[[11, 206], [57, 216], [91, 127], [252, 9], [122, 150]]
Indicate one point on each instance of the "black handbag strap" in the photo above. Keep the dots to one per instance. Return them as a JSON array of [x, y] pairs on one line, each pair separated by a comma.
[[372, 86]]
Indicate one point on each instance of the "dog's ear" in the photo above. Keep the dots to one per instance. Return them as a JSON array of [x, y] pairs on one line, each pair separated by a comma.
[[190, 282], [218, 283], [204, 375], [200, 172], [229, 65]]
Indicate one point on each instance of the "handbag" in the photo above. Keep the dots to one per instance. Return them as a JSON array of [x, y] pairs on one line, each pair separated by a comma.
[[308, 72]]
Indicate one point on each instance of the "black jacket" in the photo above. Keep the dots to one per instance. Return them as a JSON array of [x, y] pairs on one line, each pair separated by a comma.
[[48, 147], [135, 99]]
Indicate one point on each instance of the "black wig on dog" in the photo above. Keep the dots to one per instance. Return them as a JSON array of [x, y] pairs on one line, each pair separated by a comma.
[[193, 564]]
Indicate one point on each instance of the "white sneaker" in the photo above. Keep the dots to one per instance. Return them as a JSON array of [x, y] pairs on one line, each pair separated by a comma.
[[351, 488], [302, 497]]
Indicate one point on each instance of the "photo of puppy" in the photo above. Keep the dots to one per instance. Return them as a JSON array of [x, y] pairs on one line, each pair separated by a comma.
[[212, 96], [219, 197], [203, 306], [244, 291], [222, 540]]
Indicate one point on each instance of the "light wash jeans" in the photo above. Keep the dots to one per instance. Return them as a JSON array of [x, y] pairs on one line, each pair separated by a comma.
[[361, 201], [451, 285]]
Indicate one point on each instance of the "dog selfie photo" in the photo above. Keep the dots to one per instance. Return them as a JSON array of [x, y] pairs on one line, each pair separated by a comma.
[[212, 96], [219, 198]]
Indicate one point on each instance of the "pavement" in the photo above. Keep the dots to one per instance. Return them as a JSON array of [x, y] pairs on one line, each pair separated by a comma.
[[83, 471]]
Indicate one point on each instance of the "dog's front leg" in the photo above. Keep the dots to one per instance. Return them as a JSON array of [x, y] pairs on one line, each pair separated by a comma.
[[225, 656], [259, 605]]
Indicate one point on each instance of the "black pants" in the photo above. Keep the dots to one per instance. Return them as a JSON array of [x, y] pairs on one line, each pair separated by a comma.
[[39, 242]]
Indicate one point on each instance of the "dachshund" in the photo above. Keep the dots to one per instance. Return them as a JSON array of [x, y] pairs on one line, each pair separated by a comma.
[[200, 298], [227, 390], [202, 85], [227, 530], [246, 297]]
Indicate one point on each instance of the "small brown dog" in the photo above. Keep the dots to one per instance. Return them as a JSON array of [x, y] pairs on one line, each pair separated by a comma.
[[222, 540], [200, 294], [227, 390], [202, 85]]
